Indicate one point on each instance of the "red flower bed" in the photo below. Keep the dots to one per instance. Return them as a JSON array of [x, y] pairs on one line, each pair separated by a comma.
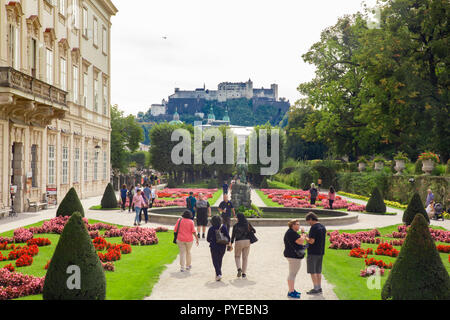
[[113, 254], [443, 248], [371, 270], [386, 249], [99, 243], [379, 263], [6, 246], [360, 253], [27, 250], [14, 285], [24, 261], [40, 242], [9, 267], [352, 240], [7, 240]]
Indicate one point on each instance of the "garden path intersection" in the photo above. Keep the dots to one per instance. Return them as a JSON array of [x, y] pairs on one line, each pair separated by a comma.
[[267, 270]]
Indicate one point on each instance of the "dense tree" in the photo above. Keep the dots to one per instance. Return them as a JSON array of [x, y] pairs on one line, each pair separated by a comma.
[[383, 89], [70, 204], [125, 137]]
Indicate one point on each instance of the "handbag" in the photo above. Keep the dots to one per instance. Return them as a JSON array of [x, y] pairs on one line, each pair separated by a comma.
[[221, 238], [175, 234], [251, 236], [300, 253]]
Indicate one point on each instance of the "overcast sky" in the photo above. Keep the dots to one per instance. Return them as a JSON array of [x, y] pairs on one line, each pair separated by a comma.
[[211, 41]]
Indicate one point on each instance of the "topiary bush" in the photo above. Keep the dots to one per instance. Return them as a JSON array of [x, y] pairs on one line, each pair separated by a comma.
[[109, 200], [418, 273], [75, 248], [70, 204], [415, 206], [376, 202]]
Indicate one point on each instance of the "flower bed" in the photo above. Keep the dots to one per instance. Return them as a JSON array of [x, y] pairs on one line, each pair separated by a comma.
[[40, 242], [24, 261], [14, 285], [386, 249], [179, 196], [443, 248], [108, 266], [379, 263], [352, 240], [360, 197], [139, 236], [301, 199], [22, 235], [360, 253]]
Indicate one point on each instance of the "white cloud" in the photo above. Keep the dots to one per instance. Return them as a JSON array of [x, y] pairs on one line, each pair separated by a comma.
[[210, 41]]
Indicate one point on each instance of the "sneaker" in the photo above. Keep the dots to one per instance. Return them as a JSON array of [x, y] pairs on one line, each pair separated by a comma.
[[135, 224], [244, 276], [189, 268], [314, 291], [203, 236], [182, 269], [293, 295], [198, 235], [218, 278], [239, 273]]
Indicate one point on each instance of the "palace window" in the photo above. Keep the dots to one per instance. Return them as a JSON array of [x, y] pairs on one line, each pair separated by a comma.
[[104, 40], [95, 166], [85, 165], [62, 7], [63, 74], [49, 64], [85, 22], [75, 83], [96, 95], [85, 88], [105, 98], [105, 161], [65, 165], [51, 164], [76, 165], [95, 31], [75, 14]]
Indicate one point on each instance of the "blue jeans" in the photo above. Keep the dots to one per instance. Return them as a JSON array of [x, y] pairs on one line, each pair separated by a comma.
[[138, 214]]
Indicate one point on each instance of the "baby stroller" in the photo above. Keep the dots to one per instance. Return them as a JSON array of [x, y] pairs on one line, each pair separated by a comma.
[[438, 211]]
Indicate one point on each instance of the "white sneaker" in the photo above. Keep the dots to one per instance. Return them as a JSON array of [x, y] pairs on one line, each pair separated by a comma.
[[182, 269], [189, 268], [218, 278]]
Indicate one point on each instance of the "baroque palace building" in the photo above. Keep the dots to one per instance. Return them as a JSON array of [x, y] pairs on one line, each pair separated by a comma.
[[55, 68]]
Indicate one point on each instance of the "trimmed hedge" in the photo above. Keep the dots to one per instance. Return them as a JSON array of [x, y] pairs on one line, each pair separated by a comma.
[[376, 203], [415, 207], [109, 200], [75, 248], [418, 272], [70, 204]]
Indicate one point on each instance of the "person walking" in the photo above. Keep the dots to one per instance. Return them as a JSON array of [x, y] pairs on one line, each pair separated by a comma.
[[316, 251], [430, 197], [190, 203], [226, 208], [144, 208], [313, 193], [331, 196], [138, 203], [153, 194], [130, 195], [225, 187], [185, 237], [203, 209], [217, 250], [294, 253], [242, 231], [123, 196]]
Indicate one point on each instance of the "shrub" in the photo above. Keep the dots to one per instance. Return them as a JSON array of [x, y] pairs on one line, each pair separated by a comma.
[[415, 206], [70, 204], [75, 248], [418, 167], [418, 273], [109, 200], [376, 202]]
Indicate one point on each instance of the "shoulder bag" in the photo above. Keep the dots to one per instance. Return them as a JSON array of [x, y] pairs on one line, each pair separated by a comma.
[[251, 236], [175, 234], [220, 237], [300, 253]]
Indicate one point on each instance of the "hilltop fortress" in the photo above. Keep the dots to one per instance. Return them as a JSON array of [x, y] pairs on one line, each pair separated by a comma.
[[192, 101]]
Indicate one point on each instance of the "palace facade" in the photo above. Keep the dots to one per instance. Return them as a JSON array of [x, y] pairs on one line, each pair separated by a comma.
[[55, 70]]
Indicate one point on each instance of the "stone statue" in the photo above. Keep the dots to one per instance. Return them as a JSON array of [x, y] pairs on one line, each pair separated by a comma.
[[242, 170]]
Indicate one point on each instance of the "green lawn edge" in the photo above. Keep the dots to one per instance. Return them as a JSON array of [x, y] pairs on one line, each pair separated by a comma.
[[135, 275]]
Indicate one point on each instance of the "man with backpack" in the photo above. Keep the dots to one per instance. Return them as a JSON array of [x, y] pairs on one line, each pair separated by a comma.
[[190, 204]]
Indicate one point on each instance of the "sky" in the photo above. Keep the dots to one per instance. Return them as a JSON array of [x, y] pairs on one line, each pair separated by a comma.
[[161, 45]]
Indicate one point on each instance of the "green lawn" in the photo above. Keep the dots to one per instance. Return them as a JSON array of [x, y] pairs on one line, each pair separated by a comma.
[[134, 276], [279, 185], [342, 271], [99, 207], [268, 202]]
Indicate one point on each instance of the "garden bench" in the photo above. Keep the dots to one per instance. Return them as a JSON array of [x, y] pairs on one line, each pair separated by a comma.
[[37, 205], [4, 211]]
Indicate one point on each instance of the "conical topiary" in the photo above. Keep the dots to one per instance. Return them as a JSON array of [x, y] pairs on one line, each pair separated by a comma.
[[415, 206], [109, 200], [75, 251], [418, 273], [376, 202], [70, 204]]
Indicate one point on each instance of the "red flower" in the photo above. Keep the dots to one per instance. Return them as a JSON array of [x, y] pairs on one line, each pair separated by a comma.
[[24, 260]]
